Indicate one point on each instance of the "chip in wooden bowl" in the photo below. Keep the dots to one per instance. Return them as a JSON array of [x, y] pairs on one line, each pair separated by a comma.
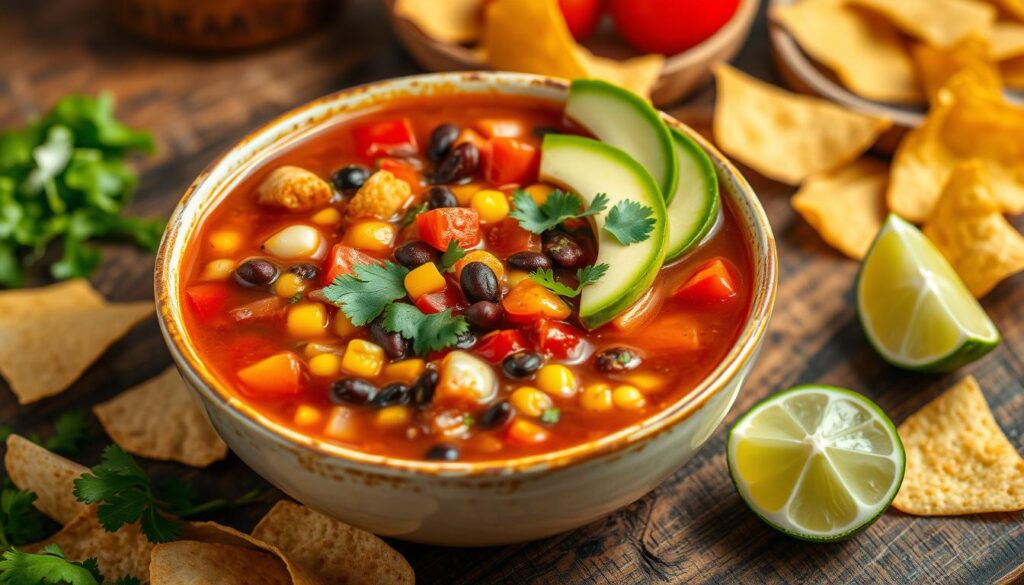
[[940, 23]]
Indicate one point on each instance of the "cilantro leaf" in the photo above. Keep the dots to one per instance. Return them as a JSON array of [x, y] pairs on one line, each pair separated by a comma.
[[20, 523], [453, 254], [428, 332], [364, 295], [558, 207], [71, 429], [586, 276], [590, 274], [551, 415], [411, 215], [630, 222], [47, 566]]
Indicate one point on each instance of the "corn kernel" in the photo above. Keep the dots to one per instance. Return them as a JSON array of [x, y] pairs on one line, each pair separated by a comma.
[[306, 415], [424, 279], [327, 216], [484, 257], [404, 371], [218, 269], [530, 401], [325, 365], [343, 424], [315, 348], [628, 397], [464, 193], [343, 326], [539, 192], [556, 380], [306, 320], [225, 241], [393, 416], [646, 382], [517, 276], [491, 205], [372, 236], [596, 398], [363, 358], [288, 285]]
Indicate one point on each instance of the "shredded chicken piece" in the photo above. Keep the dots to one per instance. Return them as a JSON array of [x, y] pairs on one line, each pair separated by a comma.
[[295, 189], [381, 196]]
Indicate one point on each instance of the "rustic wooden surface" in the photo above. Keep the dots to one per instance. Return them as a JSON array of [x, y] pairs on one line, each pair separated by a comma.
[[693, 528]]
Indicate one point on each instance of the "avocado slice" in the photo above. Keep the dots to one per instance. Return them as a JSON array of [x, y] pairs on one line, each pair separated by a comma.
[[694, 208], [588, 167], [626, 121]]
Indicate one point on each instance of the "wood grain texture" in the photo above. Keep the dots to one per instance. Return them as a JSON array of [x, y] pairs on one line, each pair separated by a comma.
[[693, 528]]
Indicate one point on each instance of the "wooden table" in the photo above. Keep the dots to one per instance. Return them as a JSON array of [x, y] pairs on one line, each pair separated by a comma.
[[693, 528]]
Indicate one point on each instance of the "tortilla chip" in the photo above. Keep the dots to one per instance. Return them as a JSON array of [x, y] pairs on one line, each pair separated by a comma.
[[639, 74], [971, 232], [867, 54], [785, 136], [846, 207], [50, 476], [189, 562], [958, 459], [1013, 73], [211, 532], [449, 21], [50, 336], [939, 23], [338, 552], [1014, 8], [120, 553], [1007, 40], [936, 66], [530, 36], [160, 419]]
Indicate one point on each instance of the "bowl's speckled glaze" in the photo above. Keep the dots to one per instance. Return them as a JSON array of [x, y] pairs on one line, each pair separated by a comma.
[[457, 503]]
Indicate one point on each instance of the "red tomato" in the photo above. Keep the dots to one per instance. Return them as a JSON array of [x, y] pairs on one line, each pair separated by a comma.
[[558, 340], [582, 16], [511, 161], [507, 237], [207, 300], [669, 26], [342, 260], [713, 282], [449, 298], [440, 226], [402, 170], [500, 344], [386, 137]]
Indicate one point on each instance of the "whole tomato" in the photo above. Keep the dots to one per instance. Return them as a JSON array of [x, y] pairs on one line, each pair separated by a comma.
[[582, 16], [669, 26]]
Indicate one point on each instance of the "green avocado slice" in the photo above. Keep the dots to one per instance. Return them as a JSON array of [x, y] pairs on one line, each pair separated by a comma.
[[694, 209]]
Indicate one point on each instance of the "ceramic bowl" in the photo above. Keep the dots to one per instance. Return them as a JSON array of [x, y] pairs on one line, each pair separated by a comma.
[[456, 503]]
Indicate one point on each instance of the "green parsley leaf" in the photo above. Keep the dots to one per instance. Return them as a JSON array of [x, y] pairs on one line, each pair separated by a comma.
[[551, 415], [558, 207], [20, 523], [364, 295], [428, 332], [630, 222], [587, 275], [411, 215], [71, 430], [47, 566], [453, 254]]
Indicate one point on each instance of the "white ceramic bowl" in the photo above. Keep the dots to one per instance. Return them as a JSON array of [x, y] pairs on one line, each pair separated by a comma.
[[456, 503]]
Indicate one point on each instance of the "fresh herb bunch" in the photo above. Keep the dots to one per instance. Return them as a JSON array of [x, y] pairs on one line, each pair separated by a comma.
[[64, 177], [50, 566]]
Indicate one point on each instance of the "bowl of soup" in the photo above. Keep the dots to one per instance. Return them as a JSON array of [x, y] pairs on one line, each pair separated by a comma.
[[459, 308]]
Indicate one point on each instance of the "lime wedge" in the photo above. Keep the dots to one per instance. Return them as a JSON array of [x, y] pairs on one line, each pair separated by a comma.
[[914, 308], [817, 462]]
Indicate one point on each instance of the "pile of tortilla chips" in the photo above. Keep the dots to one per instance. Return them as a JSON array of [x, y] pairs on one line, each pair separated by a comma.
[[528, 36], [291, 545]]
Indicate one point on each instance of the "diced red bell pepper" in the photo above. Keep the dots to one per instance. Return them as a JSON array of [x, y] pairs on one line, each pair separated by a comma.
[[496, 346], [558, 340], [402, 170], [507, 237], [511, 162], [342, 260], [207, 300], [440, 226], [387, 137], [713, 282], [277, 376]]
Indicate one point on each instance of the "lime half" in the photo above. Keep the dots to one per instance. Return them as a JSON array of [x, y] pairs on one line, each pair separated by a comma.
[[817, 462], [914, 308]]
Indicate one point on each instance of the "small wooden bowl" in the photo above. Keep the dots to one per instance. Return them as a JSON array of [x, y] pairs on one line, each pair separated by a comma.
[[681, 75]]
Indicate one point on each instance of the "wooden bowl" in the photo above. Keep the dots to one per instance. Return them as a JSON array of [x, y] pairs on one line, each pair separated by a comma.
[[681, 75]]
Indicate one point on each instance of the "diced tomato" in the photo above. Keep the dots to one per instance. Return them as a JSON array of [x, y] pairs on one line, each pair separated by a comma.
[[507, 237], [342, 260], [496, 346], [387, 137], [436, 302], [558, 340], [277, 376], [529, 301], [402, 170], [713, 282], [511, 162], [440, 226], [500, 127], [207, 300]]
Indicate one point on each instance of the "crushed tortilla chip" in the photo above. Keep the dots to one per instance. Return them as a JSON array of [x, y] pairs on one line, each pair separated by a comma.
[[1007, 40], [936, 66], [969, 229], [784, 136], [160, 419], [189, 562], [50, 476], [354, 556], [847, 206], [958, 459], [49, 336], [211, 532], [448, 21], [120, 553], [939, 23], [864, 51], [639, 74]]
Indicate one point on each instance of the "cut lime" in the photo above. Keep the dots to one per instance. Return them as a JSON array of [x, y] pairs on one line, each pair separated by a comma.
[[817, 462], [915, 310]]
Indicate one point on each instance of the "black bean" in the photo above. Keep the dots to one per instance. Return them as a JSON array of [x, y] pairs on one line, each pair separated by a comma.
[[423, 388], [350, 178], [617, 359], [440, 196], [442, 452], [522, 364], [563, 250], [256, 272], [479, 283], [396, 346], [496, 415], [484, 316], [465, 341], [416, 253], [529, 261], [393, 394], [305, 271], [459, 166], [355, 391], [441, 141]]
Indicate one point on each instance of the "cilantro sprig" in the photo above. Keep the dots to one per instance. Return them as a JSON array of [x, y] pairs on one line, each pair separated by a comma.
[[364, 295], [428, 332], [558, 207], [587, 275], [630, 222], [20, 523], [50, 565], [70, 432], [451, 255]]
